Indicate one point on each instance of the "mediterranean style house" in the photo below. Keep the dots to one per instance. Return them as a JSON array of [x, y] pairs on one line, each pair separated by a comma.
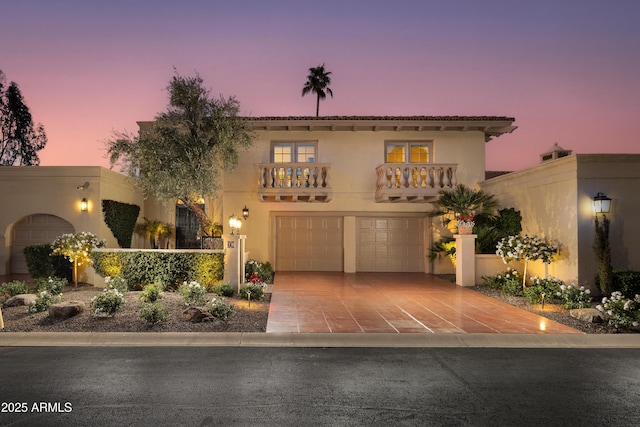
[[349, 194]]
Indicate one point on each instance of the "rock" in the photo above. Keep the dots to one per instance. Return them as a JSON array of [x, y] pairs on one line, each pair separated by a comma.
[[20, 299], [589, 315], [196, 315], [66, 309]]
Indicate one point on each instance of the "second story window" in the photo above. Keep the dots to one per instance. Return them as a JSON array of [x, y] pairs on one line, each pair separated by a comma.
[[294, 152], [408, 152]]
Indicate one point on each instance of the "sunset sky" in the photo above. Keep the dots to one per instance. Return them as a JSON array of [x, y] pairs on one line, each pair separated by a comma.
[[567, 70]]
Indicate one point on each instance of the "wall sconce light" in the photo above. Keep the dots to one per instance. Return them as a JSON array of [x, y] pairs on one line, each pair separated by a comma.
[[245, 212], [601, 204], [234, 224], [84, 204]]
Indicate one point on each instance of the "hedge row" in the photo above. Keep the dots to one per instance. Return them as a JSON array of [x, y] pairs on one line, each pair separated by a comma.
[[139, 268]]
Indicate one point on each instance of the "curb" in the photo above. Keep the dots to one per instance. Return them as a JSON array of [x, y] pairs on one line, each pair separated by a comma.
[[260, 339]]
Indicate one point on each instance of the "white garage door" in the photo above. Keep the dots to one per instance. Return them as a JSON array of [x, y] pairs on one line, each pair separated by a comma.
[[307, 243], [390, 244], [34, 230]]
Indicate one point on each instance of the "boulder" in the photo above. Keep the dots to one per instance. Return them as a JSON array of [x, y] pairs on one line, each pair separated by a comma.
[[64, 310], [197, 314], [20, 299], [589, 315]]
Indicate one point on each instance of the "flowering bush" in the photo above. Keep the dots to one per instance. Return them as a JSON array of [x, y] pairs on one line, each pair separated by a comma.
[[153, 312], [574, 297], [466, 220], [54, 285], [508, 282], [543, 289], [623, 312], [118, 283], [77, 248], [107, 302], [193, 293], [222, 310], [262, 269], [527, 248], [44, 300]]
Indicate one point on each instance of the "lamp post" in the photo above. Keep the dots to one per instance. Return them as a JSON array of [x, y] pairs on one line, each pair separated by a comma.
[[601, 245]]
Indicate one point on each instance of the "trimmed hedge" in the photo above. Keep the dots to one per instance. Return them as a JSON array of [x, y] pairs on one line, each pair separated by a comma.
[[121, 219], [139, 268], [41, 264]]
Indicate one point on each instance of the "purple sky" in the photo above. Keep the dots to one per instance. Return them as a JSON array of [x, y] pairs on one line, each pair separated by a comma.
[[567, 70]]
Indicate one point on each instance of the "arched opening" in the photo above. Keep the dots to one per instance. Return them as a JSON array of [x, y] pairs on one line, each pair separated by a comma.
[[34, 230]]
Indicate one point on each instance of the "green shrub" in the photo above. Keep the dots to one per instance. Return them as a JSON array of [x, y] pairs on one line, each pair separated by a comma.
[[627, 282], [13, 288], [222, 310], [549, 287], [509, 282], [44, 300], [40, 262], [152, 292], [224, 289], [574, 297], [107, 303], [171, 268], [262, 269], [256, 291], [153, 312], [121, 219], [193, 293], [53, 285]]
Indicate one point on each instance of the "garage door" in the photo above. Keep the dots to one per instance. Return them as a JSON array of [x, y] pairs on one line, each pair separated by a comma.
[[309, 243], [34, 230], [390, 244]]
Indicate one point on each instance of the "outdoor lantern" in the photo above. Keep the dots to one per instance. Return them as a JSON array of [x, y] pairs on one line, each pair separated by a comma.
[[601, 204], [235, 224], [245, 212], [84, 204]]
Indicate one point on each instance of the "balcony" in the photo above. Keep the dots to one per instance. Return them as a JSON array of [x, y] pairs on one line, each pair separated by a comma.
[[294, 182], [413, 182]]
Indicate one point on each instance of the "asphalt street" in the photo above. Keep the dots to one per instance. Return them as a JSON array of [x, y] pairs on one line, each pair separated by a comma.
[[201, 386]]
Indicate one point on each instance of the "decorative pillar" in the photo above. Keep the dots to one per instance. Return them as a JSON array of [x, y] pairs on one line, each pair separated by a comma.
[[465, 259], [349, 239], [234, 245]]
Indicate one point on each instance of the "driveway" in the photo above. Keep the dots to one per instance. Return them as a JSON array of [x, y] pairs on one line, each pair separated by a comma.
[[393, 302]]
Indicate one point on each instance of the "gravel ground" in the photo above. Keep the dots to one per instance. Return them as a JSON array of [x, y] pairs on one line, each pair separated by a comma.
[[247, 318]]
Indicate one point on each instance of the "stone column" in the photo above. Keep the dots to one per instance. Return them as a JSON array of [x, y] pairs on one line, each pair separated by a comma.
[[349, 240], [465, 259], [234, 245]]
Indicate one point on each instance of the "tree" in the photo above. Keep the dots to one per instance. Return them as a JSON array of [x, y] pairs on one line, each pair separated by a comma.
[[317, 81], [20, 141], [183, 154], [602, 251]]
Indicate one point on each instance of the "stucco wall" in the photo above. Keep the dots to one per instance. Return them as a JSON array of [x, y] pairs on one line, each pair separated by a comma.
[[555, 200], [54, 190], [353, 156]]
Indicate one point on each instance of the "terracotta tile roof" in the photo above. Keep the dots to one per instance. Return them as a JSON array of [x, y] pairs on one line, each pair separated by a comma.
[[494, 174], [404, 118]]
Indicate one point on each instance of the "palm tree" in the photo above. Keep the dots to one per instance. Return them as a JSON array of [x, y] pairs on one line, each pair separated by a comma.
[[317, 81], [461, 201]]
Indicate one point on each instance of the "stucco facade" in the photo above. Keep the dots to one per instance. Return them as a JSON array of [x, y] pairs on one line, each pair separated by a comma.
[[555, 200], [56, 192]]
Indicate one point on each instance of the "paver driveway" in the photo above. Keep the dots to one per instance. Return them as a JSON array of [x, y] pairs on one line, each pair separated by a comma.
[[393, 302]]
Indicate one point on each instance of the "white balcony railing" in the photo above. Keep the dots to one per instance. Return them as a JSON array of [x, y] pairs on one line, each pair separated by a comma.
[[413, 182], [294, 182]]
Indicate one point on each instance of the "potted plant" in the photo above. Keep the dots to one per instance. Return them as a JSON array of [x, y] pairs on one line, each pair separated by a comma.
[[462, 205]]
